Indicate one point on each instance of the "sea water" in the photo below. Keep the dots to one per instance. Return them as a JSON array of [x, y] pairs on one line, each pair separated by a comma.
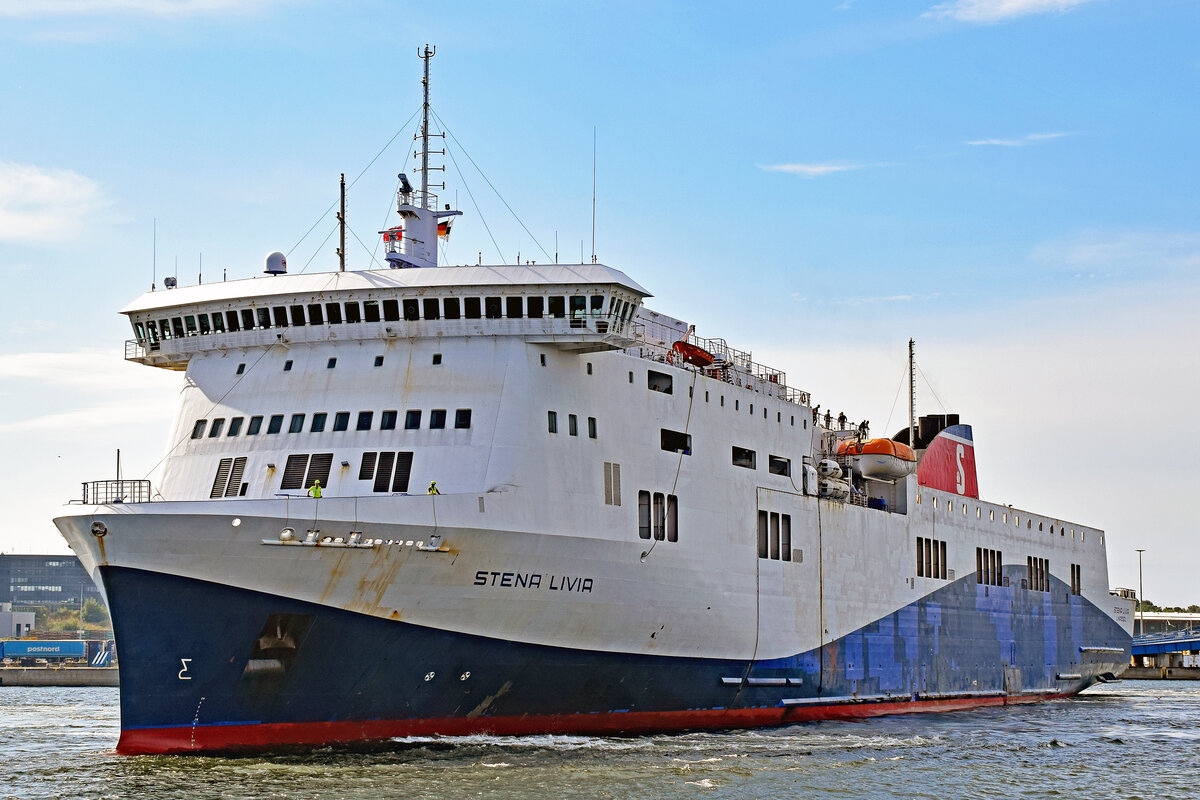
[[1136, 739]]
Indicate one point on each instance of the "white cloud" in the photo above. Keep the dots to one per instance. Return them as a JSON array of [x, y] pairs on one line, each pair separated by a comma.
[[39, 204], [809, 170], [1140, 254], [144, 8], [1021, 142], [985, 11]]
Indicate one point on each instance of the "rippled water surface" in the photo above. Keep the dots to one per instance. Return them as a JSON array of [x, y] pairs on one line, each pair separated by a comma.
[[1137, 739]]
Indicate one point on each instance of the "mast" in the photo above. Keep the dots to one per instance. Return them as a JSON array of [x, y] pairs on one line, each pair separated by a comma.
[[342, 229], [426, 56], [912, 398]]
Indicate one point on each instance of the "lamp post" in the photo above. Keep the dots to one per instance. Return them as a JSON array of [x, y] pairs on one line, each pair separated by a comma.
[[1141, 601]]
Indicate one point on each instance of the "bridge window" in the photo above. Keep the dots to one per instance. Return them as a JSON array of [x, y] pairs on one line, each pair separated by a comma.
[[281, 320], [316, 315], [297, 424], [217, 426], [535, 307], [297, 315], [431, 308], [391, 310], [341, 421], [462, 418], [412, 419], [364, 420], [333, 312], [235, 426], [471, 308], [492, 307], [352, 312], [275, 424], [437, 419], [255, 425], [371, 310], [231, 321], [450, 308], [204, 328], [514, 307], [387, 420], [318, 422], [264, 318], [177, 327], [198, 428], [248, 319], [558, 307], [218, 322], [190, 322]]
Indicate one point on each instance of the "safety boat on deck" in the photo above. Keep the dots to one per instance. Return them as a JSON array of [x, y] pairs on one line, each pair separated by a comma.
[[637, 529]]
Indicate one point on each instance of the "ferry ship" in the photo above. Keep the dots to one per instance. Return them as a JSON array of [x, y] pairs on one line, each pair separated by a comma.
[[513, 499]]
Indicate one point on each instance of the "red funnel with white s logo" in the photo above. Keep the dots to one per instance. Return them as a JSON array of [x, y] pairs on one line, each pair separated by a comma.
[[949, 462]]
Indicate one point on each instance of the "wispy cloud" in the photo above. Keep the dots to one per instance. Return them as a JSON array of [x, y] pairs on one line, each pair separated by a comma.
[[988, 11], [1136, 254], [810, 170], [39, 204], [1021, 142], [31, 9]]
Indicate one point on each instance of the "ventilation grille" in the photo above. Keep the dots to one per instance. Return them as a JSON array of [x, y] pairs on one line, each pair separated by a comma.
[[318, 469], [293, 472]]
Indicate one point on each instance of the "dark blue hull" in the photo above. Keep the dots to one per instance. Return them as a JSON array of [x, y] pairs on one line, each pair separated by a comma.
[[206, 666]]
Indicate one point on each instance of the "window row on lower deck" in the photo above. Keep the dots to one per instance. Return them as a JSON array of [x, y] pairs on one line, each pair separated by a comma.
[[365, 421]]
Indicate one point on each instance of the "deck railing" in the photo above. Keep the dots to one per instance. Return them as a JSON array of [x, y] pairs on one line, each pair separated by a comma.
[[99, 493]]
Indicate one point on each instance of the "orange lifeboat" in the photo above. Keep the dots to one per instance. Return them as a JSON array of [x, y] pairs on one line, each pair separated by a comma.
[[848, 448], [693, 354], [885, 460]]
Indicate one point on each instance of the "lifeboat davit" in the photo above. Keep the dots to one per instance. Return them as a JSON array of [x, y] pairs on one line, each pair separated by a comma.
[[885, 460], [693, 354]]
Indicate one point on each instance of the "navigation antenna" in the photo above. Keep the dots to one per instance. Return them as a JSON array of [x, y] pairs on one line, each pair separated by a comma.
[[424, 154], [912, 397]]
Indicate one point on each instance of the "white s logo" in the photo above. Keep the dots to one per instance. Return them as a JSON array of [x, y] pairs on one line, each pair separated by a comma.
[[960, 482]]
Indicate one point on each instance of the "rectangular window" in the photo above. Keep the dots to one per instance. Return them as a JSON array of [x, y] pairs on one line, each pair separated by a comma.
[[315, 314], [281, 320], [318, 423], [364, 420], [371, 310], [558, 307], [412, 420], [217, 426], [471, 309], [235, 426], [341, 421], [275, 424], [387, 420], [742, 457], [255, 425], [612, 484], [353, 314], [391, 310], [672, 518], [430, 308], [333, 312], [676, 442], [218, 322], [412, 309], [763, 537], [190, 323], [297, 315], [513, 307], [331, 363], [297, 424], [231, 321], [204, 324], [779, 465], [989, 566], [437, 419], [572, 425], [198, 428], [293, 471], [492, 307], [591, 427], [774, 536], [785, 537], [264, 318], [578, 310], [644, 514], [248, 323], [920, 556], [535, 307], [462, 418], [659, 382], [366, 468], [552, 421], [660, 516], [177, 326]]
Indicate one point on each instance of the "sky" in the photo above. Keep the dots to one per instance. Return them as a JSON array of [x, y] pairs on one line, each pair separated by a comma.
[[1011, 183]]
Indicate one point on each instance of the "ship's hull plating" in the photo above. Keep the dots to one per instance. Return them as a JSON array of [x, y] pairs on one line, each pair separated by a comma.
[[206, 666]]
